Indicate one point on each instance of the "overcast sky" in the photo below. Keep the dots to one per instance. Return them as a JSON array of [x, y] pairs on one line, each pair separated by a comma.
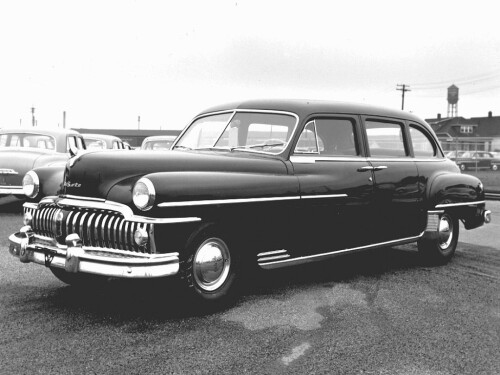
[[107, 62]]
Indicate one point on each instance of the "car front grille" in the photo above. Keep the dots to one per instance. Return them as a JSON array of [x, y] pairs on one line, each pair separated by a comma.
[[96, 227]]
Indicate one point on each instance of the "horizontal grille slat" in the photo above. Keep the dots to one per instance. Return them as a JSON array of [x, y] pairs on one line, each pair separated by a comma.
[[96, 227]]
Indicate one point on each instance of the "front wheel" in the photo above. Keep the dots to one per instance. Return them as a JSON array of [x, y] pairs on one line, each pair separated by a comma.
[[463, 167], [441, 248], [210, 270]]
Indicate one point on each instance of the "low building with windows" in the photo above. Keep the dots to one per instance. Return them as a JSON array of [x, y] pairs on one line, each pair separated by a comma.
[[462, 134]]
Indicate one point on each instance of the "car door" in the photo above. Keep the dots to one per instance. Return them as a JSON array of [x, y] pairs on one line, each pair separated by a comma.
[[335, 186], [396, 197]]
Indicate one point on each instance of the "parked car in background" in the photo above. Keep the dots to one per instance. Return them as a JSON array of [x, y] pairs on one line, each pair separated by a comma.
[[24, 149], [104, 142], [158, 142], [475, 160], [268, 184], [453, 155]]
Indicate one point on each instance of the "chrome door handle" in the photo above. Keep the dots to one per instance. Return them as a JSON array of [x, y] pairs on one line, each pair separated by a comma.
[[365, 169], [370, 168]]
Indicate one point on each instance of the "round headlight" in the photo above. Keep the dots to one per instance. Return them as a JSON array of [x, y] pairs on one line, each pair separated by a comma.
[[144, 194], [31, 184]]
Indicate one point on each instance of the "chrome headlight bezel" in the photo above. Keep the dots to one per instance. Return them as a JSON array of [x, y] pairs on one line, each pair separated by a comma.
[[144, 194], [31, 184]]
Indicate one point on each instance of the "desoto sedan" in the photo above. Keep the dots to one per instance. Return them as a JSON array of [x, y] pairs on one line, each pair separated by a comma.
[[264, 183]]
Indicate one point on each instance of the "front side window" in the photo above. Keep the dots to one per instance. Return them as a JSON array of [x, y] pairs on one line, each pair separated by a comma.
[[385, 139], [245, 131], [422, 145]]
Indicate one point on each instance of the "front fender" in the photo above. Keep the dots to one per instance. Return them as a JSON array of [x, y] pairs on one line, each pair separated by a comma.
[[51, 180]]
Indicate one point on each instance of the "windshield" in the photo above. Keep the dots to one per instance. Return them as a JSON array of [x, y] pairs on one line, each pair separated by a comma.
[[31, 140], [249, 131]]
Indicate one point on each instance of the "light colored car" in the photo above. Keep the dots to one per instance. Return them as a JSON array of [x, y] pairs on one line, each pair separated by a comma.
[[158, 142], [22, 149], [104, 142]]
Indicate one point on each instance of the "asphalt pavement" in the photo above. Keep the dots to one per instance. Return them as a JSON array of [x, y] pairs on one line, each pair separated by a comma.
[[379, 312]]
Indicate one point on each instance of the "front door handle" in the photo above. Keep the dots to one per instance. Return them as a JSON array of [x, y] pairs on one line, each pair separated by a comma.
[[370, 168]]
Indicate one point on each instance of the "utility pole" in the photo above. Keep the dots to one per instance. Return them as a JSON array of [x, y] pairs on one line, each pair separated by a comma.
[[33, 116], [403, 88], [64, 119], [138, 122]]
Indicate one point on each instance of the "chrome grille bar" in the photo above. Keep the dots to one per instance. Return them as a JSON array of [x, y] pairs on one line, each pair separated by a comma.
[[96, 227]]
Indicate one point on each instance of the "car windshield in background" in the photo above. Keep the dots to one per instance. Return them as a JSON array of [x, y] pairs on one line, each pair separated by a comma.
[[157, 145], [95, 144], [249, 131], [27, 140]]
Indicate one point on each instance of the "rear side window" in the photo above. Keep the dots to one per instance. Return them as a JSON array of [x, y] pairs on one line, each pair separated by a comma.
[[328, 137], [422, 145], [385, 139]]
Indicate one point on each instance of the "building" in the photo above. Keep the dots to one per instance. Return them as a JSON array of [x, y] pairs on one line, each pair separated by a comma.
[[476, 133]]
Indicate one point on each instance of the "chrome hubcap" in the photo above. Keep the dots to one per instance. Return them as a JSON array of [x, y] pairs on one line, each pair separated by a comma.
[[445, 232], [211, 264]]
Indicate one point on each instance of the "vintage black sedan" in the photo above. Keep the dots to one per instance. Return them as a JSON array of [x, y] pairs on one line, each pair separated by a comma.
[[22, 149], [264, 183]]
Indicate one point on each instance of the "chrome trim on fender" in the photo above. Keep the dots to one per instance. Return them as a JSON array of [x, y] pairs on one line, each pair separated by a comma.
[[317, 257], [128, 214], [12, 190], [8, 171], [247, 200], [460, 204]]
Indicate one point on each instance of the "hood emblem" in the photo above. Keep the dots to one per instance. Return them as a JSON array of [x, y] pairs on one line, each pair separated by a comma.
[[8, 171], [72, 185]]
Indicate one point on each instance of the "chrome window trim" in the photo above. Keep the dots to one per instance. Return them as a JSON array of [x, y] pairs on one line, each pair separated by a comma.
[[460, 204], [246, 200], [313, 158], [236, 110]]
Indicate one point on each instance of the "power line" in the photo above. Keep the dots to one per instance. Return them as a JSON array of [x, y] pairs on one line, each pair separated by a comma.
[[461, 81]]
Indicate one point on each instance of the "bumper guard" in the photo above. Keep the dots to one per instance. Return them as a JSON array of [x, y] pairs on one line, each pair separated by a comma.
[[74, 257]]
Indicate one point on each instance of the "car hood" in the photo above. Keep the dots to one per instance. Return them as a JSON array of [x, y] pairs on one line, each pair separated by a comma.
[[95, 174]]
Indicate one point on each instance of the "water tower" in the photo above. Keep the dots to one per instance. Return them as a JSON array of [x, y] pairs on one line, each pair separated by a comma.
[[452, 101]]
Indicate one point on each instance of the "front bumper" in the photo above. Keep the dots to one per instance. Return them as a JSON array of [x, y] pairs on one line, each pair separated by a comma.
[[74, 257]]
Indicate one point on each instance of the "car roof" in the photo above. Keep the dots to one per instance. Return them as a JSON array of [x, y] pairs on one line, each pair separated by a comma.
[[160, 137], [101, 136], [304, 107], [37, 130]]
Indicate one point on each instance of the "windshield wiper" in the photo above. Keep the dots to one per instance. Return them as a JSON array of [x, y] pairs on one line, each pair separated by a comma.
[[213, 148]]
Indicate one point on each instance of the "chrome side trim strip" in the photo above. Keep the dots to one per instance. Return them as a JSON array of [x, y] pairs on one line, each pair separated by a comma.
[[247, 200], [324, 196], [460, 204], [319, 257], [275, 252], [227, 201], [8, 171], [12, 190]]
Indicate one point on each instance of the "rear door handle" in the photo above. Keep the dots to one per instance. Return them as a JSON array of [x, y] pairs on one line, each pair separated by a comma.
[[380, 167]]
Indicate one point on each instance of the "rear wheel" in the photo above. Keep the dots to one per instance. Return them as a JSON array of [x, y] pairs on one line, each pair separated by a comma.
[[494, 167], [463, 167], [441, 248], [210, 269]]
